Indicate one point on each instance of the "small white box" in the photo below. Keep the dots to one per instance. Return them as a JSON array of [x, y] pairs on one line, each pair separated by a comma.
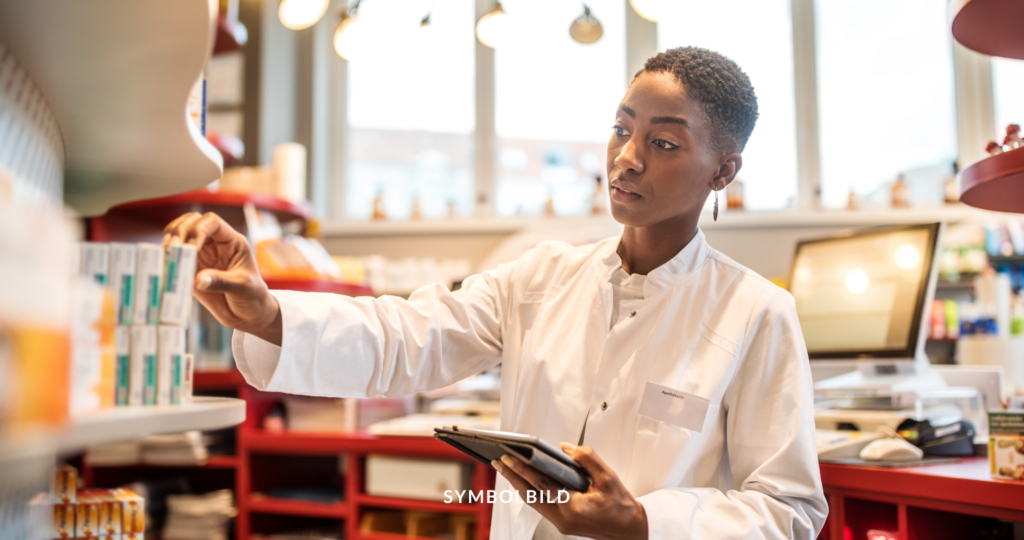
[[170, 364], [122, 281], [122, 363], [149, 271], [96, 261], [388, 476], [142, 383], [178, 280], [187, 373]]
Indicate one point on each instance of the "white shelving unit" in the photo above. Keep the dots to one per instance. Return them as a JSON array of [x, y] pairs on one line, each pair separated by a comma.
[[117, 75]]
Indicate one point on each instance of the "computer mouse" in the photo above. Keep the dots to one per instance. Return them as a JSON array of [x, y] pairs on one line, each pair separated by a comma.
[[891, 450]]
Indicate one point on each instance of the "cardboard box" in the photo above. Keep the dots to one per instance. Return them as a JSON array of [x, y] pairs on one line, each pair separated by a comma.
[[64, 520], [122, 280], [65, 484], [133, 513], [122, 364], [179, 277], [149, 272], [428, 479], [87, 517], [1006, 444], [143, 369], [187, 376], [110, 518], [96, 261], [170, 364]]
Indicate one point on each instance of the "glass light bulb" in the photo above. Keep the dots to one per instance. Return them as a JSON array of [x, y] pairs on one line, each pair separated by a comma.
[[648, 9], [346, 37], [492, 29], [301, 14]]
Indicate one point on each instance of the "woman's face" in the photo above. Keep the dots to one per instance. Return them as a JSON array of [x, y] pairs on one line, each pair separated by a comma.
[[661, 163]]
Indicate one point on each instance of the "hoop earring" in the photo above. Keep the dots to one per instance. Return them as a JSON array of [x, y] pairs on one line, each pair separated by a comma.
[[714, 214]]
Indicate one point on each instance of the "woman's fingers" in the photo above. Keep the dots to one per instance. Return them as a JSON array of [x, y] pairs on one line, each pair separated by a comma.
[[175, 229], [599, 471]]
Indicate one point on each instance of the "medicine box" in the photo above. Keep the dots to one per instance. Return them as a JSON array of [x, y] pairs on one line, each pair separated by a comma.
[[64, 520], [149, 271], [65, 484], [388, 476], [133, 513], [95, 260], [1006, 445], [122, 363], [179, 276], [87, 517], [187, 375], [143, 369], [110, 519], [122, 280], [170, 364]]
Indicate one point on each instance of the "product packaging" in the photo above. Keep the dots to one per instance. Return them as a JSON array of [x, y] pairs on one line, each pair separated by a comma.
[[142, 372], [170, 365], [188, 373], [1006, 444], [87, 516], [122, 364], [64, 520], [110, 510], [133, 514], [40, 517], [96, 261], [65, 484], [122, 280], [92, 348], [179, 276], [149, 271]]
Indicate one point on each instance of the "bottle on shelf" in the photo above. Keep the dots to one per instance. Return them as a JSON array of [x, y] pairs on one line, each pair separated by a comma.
[[599, 200], [416, 214], [734, 195], [851, 200], [951, 188], [379, 212], [901, 193]]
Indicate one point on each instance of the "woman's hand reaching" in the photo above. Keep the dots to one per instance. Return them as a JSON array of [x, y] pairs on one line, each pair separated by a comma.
[[228, 283]]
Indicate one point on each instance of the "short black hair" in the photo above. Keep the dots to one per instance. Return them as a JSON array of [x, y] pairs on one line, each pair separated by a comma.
[[718, 84]]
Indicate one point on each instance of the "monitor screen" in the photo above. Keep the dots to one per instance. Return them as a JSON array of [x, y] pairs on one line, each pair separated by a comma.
[[862, 294]]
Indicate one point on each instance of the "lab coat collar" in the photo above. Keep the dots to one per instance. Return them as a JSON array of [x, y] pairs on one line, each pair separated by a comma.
[[689, 259]]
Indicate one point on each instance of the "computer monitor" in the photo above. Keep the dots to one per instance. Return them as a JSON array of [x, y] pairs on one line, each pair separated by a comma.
[[865, 295]]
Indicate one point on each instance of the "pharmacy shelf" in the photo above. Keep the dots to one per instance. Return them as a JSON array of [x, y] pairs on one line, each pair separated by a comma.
[[125, 423], [309, 285], [990, 27], [995, 183], [367, 535], [262, 504], [217, 380], [308, 443], [416, 504], [227, 205], [214, 462], [117, 75]]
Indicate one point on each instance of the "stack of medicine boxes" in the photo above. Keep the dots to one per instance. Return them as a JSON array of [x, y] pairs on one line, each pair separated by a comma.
[[102, 514], [152, 297]]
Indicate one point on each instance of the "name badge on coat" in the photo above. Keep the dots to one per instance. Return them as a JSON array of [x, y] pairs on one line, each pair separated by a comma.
[[674, 407]]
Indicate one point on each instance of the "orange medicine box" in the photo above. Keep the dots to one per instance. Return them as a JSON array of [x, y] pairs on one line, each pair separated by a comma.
[[133, 513], [65, 484], [63, 520], [110, 521], [87, 517]]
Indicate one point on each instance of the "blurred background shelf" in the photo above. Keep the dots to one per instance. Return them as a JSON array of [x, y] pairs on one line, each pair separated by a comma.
[[117, 75], [319, 286], [273, 505]]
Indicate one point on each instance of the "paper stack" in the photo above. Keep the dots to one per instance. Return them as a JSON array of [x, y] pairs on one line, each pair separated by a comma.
[[199, 517]]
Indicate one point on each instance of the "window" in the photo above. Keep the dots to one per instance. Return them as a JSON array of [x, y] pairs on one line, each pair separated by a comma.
[[1007, 78], [555, 105], [411, 110], [758, 37], [886, 104]]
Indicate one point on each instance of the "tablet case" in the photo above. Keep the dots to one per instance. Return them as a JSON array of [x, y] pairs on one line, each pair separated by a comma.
[[485, 447]]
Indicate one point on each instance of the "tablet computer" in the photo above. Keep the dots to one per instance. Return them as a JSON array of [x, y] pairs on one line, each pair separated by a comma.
[[485, 446]]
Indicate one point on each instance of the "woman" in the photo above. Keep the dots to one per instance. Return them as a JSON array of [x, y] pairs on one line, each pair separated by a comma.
[[680, 377]]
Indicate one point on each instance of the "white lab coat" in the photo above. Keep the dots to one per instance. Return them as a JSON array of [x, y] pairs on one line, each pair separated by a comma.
[[706, 326]]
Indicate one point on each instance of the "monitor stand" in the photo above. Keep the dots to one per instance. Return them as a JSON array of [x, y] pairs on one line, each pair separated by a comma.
[[891, 376]]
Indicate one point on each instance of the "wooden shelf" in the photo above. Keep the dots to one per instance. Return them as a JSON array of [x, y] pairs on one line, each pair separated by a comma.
[[117, 75], [319, 286], [996, 182], [293, 507], [990, 27]]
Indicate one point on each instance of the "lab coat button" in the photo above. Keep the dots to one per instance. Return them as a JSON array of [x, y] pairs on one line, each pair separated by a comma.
[[604, 406], [633, 314]]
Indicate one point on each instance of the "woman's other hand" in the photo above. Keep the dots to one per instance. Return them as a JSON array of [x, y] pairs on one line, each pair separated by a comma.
[[228, 283], [607, 510]]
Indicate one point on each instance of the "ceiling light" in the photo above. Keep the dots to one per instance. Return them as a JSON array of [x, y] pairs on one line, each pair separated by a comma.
[[492, 28], [346, 37], [648, 9], [301, 14], [586, 28]]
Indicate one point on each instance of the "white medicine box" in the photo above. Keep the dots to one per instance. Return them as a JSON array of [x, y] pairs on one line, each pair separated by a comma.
[[388, 476]]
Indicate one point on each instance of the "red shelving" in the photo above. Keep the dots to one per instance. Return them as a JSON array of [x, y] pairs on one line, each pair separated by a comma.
[[300, 442], [319, 286], [990, 27], [217, 380], [292, 507], [415, 504], [203, 200], [995, 183]]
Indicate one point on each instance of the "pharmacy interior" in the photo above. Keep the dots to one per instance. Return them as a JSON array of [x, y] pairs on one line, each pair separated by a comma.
[[370, 148]]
